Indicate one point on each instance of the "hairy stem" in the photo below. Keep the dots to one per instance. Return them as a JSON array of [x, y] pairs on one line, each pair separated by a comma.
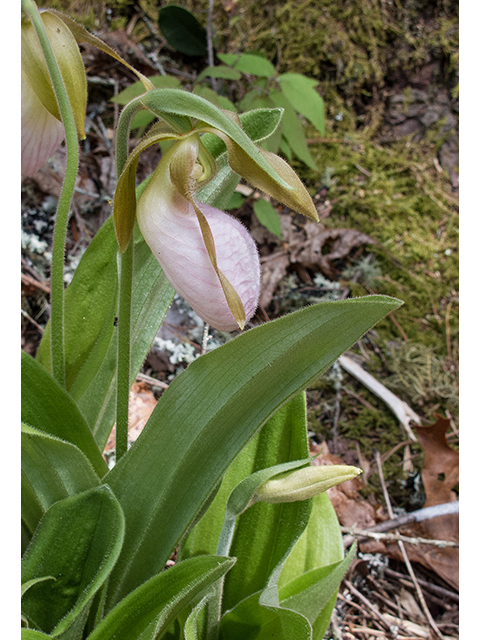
[[57, 340], [125, 300]]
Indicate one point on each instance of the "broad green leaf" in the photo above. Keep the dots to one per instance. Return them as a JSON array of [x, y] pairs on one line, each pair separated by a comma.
[[320, 544], [77, 542], [265, 533], [220, 72], [182, 31], [31, 634], [51, 470], [209, 413], [161, 598], [312, 592], [268, 216], [48, 407], [250, 620], [292, 129], [90, 307], [255, 65], [299, 90]]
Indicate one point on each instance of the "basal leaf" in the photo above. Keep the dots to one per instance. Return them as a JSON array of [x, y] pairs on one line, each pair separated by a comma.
[[312, 592], [209, 413], [90, 308], [161, 599], [250, 620], [49, 408], [77, 542], [51, 470]]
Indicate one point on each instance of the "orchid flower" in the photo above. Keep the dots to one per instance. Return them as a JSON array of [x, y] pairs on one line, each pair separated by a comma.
[[173, 226], [207, 255], [42, 128]]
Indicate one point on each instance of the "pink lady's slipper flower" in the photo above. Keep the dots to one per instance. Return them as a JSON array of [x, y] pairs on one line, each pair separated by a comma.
[[42, 128], [171, 227], [208, 256]]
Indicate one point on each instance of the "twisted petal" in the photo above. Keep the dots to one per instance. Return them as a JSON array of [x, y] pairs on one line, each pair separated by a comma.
[[42, 133], [171, 228]]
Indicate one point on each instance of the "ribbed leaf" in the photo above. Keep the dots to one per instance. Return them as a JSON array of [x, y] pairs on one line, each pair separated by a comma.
[[264, 533], [161, 599], [48, 407], [77, 542], [250, 620], [307, 554], [311, 593], [209, 413], [90, 307], [151, 298], [51, 470]]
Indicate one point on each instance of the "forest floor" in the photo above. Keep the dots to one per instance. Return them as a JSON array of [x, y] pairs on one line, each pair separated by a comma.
[[386, 190]]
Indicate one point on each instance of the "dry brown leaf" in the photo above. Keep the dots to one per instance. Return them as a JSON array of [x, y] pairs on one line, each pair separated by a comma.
[[441, 465], [439, 475], [342, 242], [304, 246], [141, 404]]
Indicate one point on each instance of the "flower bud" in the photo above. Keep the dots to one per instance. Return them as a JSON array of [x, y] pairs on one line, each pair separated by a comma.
[[42, 129], [171, 227], [304, 483]]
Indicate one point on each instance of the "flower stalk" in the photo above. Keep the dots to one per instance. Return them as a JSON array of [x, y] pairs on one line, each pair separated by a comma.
[[61, 219]]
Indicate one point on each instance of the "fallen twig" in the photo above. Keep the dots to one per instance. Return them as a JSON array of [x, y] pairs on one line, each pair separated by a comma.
[[377, 535], [153, 382], [406, 559], [434, 588], [448, 508], [370, 606]]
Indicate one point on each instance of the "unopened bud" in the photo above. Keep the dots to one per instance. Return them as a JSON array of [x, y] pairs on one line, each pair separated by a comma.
[[305, 483]]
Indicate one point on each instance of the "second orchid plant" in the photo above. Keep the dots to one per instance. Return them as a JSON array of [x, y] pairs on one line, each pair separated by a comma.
[[220, 476]]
